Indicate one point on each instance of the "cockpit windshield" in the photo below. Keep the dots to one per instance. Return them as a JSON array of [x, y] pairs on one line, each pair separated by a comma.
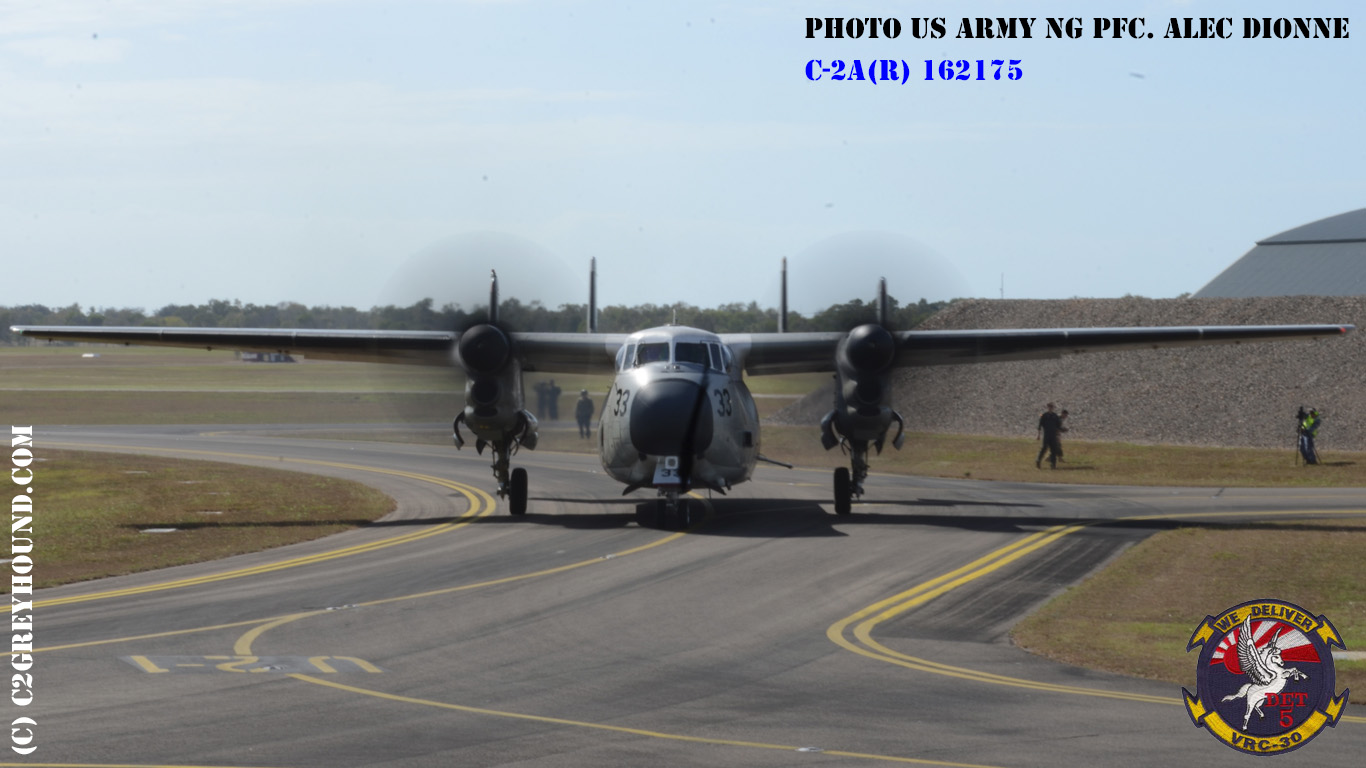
[[653, 352], [691, 352], [706, 354]]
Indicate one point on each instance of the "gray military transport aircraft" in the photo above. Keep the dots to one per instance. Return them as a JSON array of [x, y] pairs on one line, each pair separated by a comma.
[[679, 415]]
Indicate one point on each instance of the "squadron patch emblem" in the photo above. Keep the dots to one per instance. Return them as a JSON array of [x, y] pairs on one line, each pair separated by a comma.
[[1264, 682]]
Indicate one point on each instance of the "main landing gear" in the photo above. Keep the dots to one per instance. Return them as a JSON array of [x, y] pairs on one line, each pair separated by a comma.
[[512, 483], [847, 486]]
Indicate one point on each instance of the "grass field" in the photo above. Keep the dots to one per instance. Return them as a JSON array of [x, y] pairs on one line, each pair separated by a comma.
[[95, 508], [1136, 616]]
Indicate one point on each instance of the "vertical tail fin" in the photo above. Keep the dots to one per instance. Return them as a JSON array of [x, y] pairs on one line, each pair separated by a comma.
[[493, 297], [593, 295], [883, 310], [782, 300]]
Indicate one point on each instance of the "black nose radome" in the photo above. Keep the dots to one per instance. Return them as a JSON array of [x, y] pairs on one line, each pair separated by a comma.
[[483, 349], [671, 417]]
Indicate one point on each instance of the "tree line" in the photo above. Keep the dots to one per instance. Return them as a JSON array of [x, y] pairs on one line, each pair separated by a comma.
[[514, 314]]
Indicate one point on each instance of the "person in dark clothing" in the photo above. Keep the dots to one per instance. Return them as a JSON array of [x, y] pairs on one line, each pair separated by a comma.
[[541, 395], [583, 411], [1062, 422], [552, 400], [1050, 427]]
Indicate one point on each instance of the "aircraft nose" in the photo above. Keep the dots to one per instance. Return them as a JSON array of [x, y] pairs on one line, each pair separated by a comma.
[[671, 417]]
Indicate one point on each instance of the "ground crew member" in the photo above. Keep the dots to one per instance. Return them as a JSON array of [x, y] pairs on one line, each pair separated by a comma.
[[1309, 429], [1050, 427], [583, 411]]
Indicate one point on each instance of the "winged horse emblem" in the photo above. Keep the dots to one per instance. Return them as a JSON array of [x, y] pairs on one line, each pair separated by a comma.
[[1264, 667]]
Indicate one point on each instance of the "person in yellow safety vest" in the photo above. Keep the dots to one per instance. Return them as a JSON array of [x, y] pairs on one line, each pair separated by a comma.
[[1309, 429]]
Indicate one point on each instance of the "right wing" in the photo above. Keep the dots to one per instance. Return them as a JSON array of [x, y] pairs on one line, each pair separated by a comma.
[[769, 353], [412, 347], [555, 352]]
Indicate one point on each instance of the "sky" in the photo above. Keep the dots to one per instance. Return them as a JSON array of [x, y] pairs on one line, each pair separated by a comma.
[[361, 153]]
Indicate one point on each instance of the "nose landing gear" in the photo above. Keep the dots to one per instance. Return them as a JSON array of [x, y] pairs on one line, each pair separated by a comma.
[[672, 511]]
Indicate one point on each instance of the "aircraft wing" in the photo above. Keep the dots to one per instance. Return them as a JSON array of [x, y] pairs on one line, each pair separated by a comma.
[[556, 352], [412, 347], [769, 353], [759, 353], [569, 352]]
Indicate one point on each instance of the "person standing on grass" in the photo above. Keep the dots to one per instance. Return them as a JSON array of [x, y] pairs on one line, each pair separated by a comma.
[[552, 400], [1062, 427], [1309, 429], [1050, 427], [583, 412]]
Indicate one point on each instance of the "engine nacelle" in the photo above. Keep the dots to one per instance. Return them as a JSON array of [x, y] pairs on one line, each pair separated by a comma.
[[494, 407], [863, 365]]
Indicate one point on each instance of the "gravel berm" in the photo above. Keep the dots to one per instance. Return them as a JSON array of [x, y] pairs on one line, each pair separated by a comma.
[[1231, 395]]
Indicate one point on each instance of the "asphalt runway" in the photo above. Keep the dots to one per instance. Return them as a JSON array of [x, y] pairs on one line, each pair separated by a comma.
[[772, 634]]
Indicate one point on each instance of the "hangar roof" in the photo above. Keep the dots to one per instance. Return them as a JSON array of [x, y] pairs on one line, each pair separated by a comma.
[[1322, 258], [1347, 227]]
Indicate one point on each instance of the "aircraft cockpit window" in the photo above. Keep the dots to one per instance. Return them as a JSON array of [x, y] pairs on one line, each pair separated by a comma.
[[717, 363], [691, 352], [654, 352], [626, 356]]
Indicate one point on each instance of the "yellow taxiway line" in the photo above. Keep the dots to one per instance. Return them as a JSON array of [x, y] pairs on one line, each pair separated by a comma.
[[867, 619], [481, 504]]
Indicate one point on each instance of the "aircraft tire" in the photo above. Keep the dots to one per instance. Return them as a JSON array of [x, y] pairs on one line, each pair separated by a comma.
[[673, 517], [843, 492], [517, 492]]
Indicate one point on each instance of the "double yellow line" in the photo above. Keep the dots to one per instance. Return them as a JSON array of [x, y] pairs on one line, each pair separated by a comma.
[[855, 632], [481, 504]]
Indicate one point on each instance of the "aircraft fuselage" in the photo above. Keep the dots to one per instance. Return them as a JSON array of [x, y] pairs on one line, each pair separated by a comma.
[[678, 415]]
